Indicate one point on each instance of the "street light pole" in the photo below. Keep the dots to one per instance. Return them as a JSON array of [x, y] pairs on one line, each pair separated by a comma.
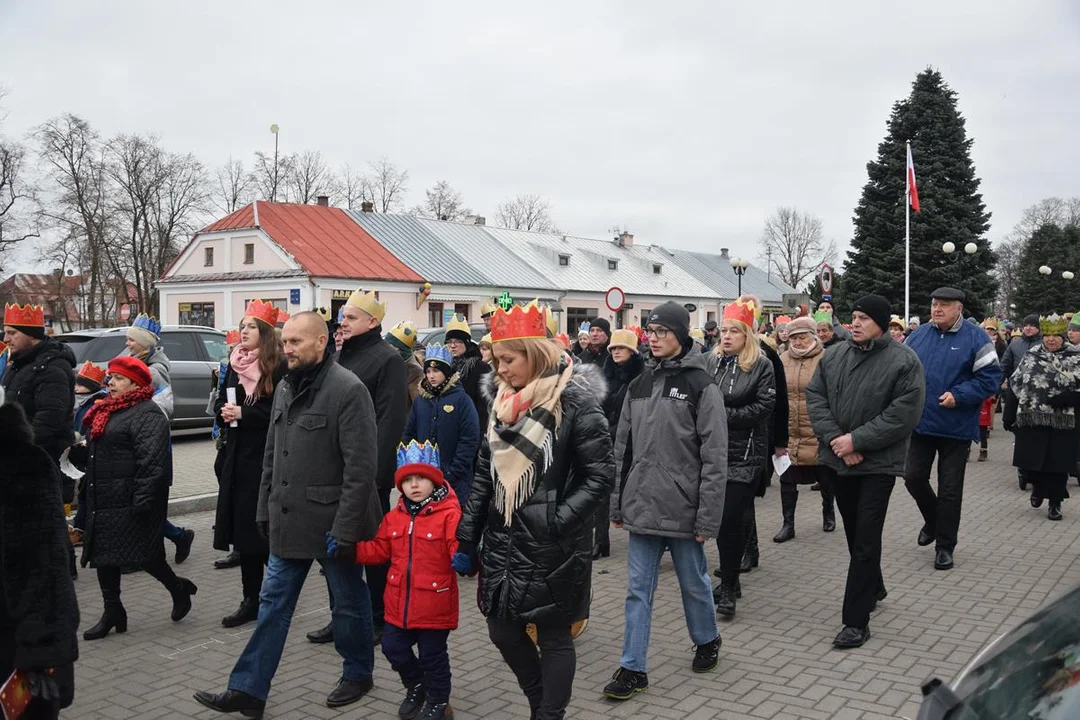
[[739, 266], [273, 191]]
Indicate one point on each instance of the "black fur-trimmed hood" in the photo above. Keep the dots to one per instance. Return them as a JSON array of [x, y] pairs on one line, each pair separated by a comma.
[[587, 382]]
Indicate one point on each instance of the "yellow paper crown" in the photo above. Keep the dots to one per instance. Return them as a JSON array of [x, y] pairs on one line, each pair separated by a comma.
[[368, 303], [404, 333], [458, 324], [1053, 325]]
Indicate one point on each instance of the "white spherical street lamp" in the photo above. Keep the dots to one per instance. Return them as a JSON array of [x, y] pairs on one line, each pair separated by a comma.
[[1067, 275], [1045, 270], [971, 248], [948, 248]]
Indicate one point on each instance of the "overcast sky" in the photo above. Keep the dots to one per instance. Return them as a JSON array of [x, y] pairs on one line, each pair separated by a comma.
[[686, 122]]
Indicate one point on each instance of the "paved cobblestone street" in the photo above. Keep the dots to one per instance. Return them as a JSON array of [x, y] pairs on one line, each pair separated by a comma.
[[776, 660]]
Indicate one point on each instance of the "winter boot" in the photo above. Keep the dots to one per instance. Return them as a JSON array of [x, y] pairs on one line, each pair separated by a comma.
[[982, 455], [115, 617], [181, 598], [828, 508], [707, 656], [247, 612], [724, 596], [1054, 513], [436, 710], [413, 702], [789, 497], [625, 684], [751, 556]]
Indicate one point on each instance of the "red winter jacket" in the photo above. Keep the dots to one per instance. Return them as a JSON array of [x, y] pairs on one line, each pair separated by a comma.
[[986, 413], [421, 587]]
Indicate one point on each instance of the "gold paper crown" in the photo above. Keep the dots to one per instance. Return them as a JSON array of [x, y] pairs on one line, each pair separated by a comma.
[[1053, 325], [521, 323], [25, 315], [488, 308], [552, 323], [263, 311], [460, 325], [404, 333], [741, 311], [368, 303]]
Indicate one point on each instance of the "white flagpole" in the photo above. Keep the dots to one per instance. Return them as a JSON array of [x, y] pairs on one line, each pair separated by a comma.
[[907, 236]]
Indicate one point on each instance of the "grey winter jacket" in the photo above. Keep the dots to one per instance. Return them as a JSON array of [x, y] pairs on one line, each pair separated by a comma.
[[671, 451], [1015, 353], [876, 393], [749, 400]]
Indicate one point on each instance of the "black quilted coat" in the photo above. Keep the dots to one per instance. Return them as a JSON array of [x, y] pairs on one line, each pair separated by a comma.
[[126, 487], [538, 568], [41, 380], [749, 398]]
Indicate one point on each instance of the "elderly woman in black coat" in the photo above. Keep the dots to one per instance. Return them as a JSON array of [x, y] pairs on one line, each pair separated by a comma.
[[255, 367], [39, 614], [545, 466], [128, 472]]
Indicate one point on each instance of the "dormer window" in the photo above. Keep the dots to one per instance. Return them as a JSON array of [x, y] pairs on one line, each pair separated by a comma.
[[656, 268], [564, 261], [612, 264]]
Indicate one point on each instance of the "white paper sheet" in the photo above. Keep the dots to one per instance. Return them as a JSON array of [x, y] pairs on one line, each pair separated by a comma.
[[781, 463], [67, 468], [230, 397]]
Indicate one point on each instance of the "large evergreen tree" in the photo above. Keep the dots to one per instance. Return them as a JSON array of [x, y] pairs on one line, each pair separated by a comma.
[[952, 209], [1059, 249]]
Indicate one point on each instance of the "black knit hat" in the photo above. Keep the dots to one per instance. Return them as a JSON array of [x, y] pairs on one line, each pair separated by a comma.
[[675, 318], [38, 333], [1032, 319], [877, 307], [601, 323]]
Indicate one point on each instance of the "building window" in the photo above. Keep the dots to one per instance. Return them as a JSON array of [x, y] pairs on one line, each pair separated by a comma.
[[435, 318], [710, 316], [462, 309], [249, 253], [576, 316], [564, 260], [656, 269], [208, 255], [612, 264], [197, 314], [645, 317]]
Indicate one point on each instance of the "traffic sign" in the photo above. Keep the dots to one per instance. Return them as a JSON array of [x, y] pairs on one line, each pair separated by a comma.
[[615, 299], [826, 279], [125, 311]]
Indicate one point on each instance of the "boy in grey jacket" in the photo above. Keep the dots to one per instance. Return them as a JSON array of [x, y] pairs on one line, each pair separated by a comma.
[[671, 475]]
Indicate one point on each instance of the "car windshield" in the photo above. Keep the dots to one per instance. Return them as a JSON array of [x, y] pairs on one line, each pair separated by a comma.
[[78, 345], [1031, 672]]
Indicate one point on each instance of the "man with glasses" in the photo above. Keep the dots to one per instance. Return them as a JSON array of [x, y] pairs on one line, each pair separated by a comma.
[[962, 370], [469, 365]]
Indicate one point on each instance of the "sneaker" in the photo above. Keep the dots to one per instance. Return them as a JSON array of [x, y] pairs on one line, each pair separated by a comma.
[[436, 710], [413, 702], [707, 656], [625, 684]]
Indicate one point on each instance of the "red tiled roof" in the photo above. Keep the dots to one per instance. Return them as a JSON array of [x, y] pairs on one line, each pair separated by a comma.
[[324, 240]]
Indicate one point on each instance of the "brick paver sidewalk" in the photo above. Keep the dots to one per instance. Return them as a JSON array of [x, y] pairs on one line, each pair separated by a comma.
[[776, 661]]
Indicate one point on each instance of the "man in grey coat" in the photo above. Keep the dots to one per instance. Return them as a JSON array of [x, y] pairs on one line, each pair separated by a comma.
[[865, 398], [670, 482], [318, 478]]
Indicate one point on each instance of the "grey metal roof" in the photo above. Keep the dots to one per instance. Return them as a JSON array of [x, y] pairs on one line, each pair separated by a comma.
[[716, 271], [227, 276], [501, 266], [426, 254]]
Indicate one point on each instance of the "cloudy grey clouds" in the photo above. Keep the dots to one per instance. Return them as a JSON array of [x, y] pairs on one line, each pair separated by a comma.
[[686, 122]]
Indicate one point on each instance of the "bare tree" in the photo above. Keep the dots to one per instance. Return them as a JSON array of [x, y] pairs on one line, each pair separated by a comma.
[[353, 186], [17, 195], [271, 180], [386, 186], [442, 202], [310, 178], [526, 212], [793, 245], [233, 187]]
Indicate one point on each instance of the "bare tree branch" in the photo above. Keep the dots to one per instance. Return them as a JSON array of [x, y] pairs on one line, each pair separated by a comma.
[[794, 246], [442, 202], [233, 187], [310, 178], [525, 212], [386, 186]]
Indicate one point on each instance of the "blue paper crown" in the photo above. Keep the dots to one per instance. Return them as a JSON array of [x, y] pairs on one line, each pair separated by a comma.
[[414, 453], [341, 315], [584, 327], [145, 322], [440, 353]]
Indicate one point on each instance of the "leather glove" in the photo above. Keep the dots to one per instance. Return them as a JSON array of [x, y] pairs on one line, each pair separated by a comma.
[[340, 552], [42, 684], [462, 564], [263, 528]]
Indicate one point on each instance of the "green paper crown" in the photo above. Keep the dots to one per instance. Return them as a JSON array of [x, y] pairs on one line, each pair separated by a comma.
[[823, 317], [1053, 325]]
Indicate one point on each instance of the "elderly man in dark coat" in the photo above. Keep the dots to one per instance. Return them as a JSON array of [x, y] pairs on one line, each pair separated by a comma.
[[318, 478]]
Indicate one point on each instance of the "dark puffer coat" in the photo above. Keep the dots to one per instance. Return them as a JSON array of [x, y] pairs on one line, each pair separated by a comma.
[[448, 420], [39, 614], [126, 488], [749, 398], [538, 568], [618, 379], [473, 372], [41, 380], [239, 467]]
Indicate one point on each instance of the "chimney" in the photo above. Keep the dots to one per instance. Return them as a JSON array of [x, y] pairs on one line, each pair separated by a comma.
[[323, 200], [367, 206], [625, 240], [475, 220], [723, 252]]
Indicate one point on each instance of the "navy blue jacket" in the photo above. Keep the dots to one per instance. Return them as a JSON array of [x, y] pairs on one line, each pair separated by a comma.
[[449, 419], [962, 361]]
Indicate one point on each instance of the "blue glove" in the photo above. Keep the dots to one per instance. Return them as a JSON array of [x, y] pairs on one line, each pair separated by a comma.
[[344, 553], [462, 563]]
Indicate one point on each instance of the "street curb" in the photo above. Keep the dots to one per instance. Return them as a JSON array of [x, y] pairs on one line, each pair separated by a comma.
[[192, 504]]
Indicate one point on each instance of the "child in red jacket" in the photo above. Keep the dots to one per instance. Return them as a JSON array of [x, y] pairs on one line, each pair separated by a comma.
[[986, 421], [417, 538]]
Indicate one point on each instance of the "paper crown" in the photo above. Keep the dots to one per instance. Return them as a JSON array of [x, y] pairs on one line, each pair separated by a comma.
[[368, 303], [584, 327], [521, 323], [897, 320], [460, 326], [1053, 325], [564, 340], [823, 317], [436, 353], [488, 308], [147, 323], [24, 315], [323, 313], [92, 372], [624, 337], [402, 336], [3, 347], [552, 323], [741, 311], [486, 339], [417, 454], [698, 334], [783, 319], [341, 315], [232, 337], [263, 311]]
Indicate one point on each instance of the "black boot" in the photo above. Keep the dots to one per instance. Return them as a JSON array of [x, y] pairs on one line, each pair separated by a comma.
[[828, 507], [115, 617], [789, 497], [828, 519], [181, 598], [751, 556], [601, 550], [247, 612], [183, 545], [413, 702], [724, 595]]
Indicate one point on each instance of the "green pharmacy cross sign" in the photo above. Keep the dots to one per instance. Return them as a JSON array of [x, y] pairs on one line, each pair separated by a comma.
[[505, 301]]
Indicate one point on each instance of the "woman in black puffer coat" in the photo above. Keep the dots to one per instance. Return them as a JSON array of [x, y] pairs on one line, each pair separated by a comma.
[[126, 491], [747, 381], [545, 466]]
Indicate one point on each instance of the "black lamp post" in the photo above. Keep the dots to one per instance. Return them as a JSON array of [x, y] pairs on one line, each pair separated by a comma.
[[739, 266]]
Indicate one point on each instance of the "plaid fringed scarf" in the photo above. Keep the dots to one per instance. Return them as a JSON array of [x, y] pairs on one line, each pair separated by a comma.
[[1040, 376], [521, 436]]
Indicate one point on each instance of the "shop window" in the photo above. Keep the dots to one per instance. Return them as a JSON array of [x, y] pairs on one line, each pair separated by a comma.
[[208, 257], [462, 309], [435, 314], [249, 253], [197, 314], [576, 316]]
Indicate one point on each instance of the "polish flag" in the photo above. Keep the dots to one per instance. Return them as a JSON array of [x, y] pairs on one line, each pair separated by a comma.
[[912, 189]]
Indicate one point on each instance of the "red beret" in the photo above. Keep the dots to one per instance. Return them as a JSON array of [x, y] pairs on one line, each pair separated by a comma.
[[132, 368]]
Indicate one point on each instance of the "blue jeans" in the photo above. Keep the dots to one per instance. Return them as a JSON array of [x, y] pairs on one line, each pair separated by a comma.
[[176, 534], [350, 617], [643, 569]]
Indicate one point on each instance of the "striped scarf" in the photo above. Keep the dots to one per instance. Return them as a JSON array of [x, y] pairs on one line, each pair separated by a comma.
[[521, 436], [1040, 376]]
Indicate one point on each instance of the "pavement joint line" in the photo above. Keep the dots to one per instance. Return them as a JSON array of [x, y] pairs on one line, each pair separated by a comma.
[[200, 646]]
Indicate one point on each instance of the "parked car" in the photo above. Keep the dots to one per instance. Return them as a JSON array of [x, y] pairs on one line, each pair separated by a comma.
[[1032, 671], [436, 335], [194, 352]]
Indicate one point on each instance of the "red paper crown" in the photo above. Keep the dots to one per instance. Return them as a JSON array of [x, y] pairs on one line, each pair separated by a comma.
[[743, 312], [26, 315], [232, 337], [92, 372], [263, 311], [520, 323]]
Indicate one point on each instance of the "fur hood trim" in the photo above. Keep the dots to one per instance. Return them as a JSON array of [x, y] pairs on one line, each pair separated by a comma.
[[587, 380]]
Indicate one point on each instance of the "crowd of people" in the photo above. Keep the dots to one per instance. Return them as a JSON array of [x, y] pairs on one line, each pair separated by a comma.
[[513, 459]]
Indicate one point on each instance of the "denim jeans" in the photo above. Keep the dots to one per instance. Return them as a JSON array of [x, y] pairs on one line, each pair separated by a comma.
[[173, 533], [350, 617], [643, 569]]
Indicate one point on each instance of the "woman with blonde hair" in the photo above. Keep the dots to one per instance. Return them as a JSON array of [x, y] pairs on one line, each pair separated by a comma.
[[747, 381], [545, 465]]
